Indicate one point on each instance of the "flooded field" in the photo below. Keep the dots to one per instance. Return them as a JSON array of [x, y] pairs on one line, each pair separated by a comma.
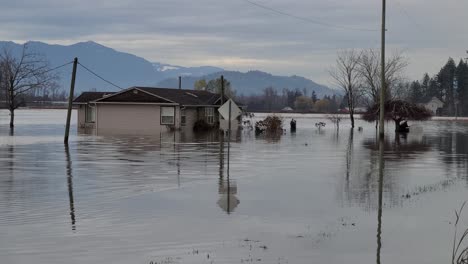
[[308, 197]]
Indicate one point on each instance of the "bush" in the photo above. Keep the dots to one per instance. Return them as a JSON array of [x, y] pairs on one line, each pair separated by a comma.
[[271, 124]]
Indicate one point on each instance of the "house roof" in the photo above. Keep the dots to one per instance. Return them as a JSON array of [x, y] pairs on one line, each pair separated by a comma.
[[434, 100], [134, 96], [153, 95], [87, 97], [184, 96]]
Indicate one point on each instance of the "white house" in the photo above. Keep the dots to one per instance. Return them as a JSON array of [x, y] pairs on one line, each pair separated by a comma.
[[435, 105]]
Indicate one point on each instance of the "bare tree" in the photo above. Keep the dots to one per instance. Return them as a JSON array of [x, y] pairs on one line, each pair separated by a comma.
[[270, 95], [369, 68], [347, 76], [22, 73]]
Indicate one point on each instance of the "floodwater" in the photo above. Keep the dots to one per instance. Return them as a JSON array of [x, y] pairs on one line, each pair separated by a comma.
[[309, 197]]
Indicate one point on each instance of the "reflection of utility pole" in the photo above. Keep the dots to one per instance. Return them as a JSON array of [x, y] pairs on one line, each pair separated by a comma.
[[221, 156], [379, 212], [176, 149], [70, 187]]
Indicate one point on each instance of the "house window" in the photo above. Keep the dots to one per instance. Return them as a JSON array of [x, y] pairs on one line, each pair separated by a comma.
[[167, 115], [183, 117], [209, 115], [90, 114]]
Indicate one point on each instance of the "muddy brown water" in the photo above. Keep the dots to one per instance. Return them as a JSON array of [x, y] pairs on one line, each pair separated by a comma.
[[307, 197]]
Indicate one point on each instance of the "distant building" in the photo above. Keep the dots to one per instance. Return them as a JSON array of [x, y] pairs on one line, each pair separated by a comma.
[[357, 110], [287, 109], [435, 105], [146, 110]]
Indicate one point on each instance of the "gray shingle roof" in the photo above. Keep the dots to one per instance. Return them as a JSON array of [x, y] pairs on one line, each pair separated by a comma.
[[161, 95], [134, 96], [87, 97], [184, 96]]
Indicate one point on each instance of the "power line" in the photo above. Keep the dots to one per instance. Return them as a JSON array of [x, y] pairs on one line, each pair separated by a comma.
[[410, 18], [97, 75], [313, 21], [58, 67]]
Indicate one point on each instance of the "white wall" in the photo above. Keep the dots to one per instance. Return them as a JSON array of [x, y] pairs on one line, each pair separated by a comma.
[[130, 119]]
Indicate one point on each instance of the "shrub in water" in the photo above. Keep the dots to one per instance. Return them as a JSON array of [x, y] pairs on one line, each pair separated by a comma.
[[271, 124]]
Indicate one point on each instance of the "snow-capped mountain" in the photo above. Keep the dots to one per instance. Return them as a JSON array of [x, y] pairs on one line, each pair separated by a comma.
[[171, 71]]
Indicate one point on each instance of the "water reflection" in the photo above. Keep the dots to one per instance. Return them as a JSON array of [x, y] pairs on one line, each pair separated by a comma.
[[227, 195], [227, 189], [454, 147], [349, 154], [270, 137], [178, 150], [124, 186], [71, 199], [380, 192], [401, 148]]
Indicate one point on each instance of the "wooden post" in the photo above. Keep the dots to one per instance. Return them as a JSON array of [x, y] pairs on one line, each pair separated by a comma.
[[382, 75], [180, 82], [70, 101]]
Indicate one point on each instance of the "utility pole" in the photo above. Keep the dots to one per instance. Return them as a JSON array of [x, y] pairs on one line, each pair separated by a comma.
[[70, 100], [383, 87], [180, 82], [222, 89]]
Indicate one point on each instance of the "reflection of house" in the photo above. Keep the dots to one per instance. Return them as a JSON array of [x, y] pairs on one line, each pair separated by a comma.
[[146, 110], [434, 105]]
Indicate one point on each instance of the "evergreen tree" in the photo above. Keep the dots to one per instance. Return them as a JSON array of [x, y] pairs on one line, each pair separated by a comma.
[[344, 102], [314, 97], [446, 79], [416, 93], [462, 88], [434, 89], [425, 88]]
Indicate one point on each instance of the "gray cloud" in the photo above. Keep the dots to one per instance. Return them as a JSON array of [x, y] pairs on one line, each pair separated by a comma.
[[237, 35]]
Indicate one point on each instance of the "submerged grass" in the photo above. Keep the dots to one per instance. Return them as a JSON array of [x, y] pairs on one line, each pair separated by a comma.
[[459, 257]]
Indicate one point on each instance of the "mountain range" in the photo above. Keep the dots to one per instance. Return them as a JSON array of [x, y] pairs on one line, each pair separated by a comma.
[[253, 82], [125, 70]]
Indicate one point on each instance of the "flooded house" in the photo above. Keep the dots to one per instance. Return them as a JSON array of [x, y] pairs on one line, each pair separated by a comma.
[[435, 105], [147, 110]]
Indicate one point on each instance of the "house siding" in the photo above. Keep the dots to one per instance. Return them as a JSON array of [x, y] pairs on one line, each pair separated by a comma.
[[81, 121], [434, 105], [132, 119]]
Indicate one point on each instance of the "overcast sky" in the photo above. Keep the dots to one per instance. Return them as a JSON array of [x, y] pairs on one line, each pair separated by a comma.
[[237, 35]]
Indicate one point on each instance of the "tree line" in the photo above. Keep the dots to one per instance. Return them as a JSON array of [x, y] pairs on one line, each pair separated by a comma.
[[449, 85], [272, 100]]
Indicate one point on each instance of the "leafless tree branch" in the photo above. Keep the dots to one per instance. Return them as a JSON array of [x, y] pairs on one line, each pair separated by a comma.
[[21, 73]]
